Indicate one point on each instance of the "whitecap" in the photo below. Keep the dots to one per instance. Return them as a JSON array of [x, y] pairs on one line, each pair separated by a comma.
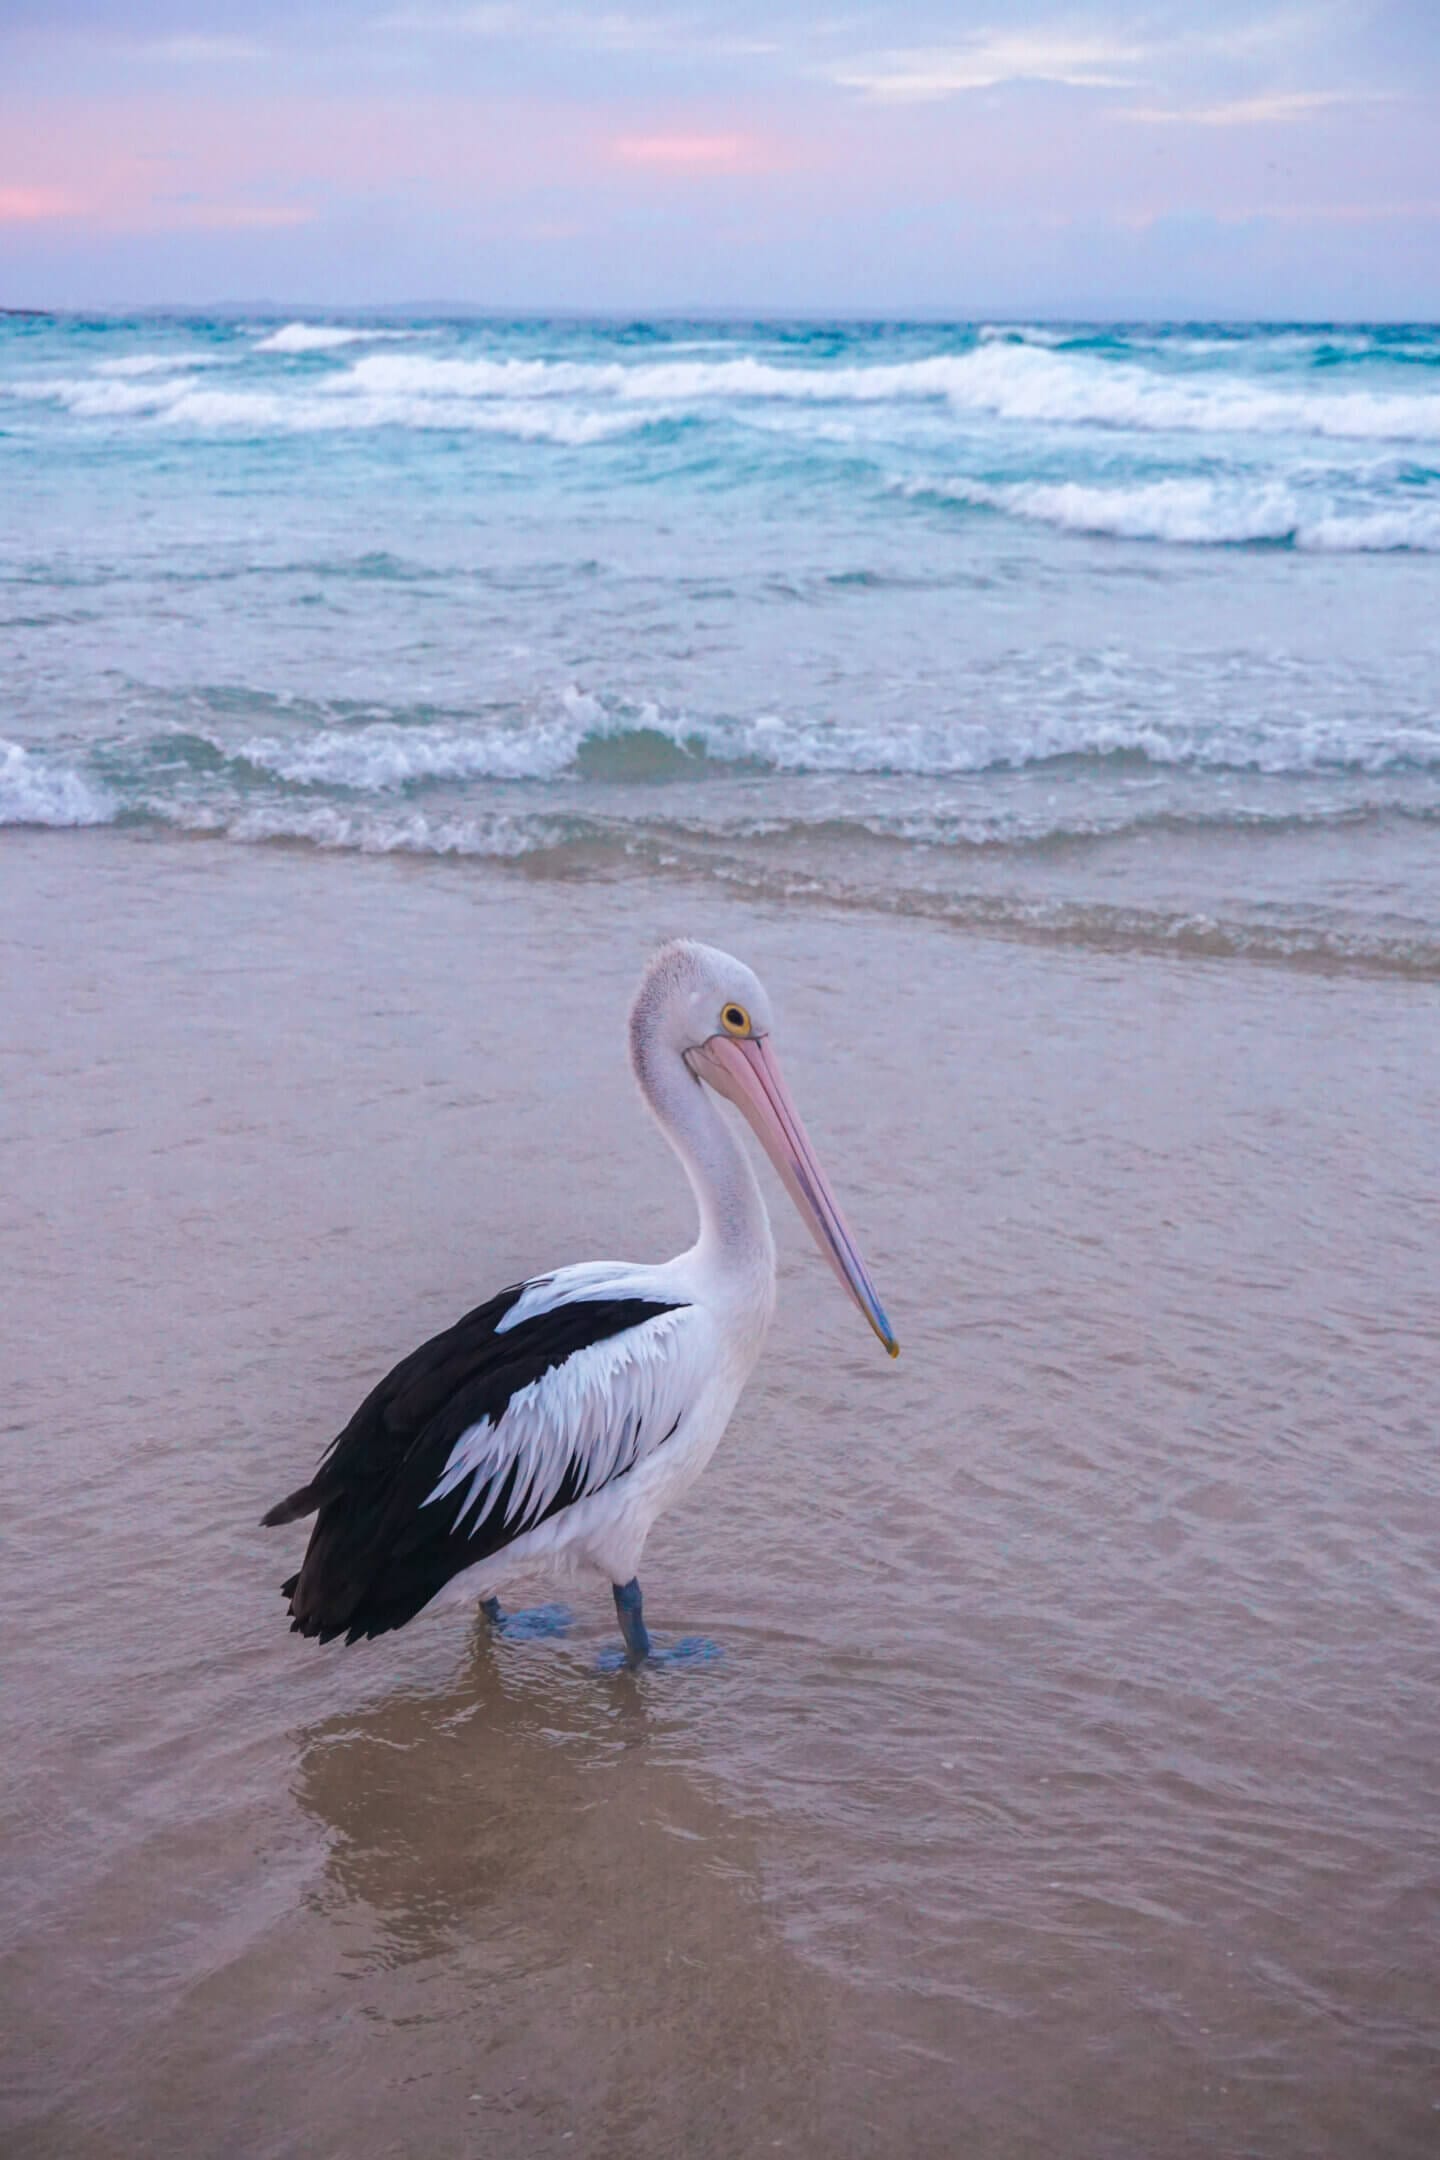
[[1022, 334], [385, 755], [1006, 380], [1407, 526], [388, 756], [36, 791], [304, 337], [187, 401], [1020, 383], [364, 830], [1196, 513], [1010, 381], [90, 399], [277, 412]]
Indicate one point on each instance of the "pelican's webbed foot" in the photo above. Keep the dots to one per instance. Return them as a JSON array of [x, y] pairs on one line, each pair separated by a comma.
[[639, 1649], [528, 1626]]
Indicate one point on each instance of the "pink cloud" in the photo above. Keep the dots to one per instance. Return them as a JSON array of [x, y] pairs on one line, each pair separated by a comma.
[[154, 164], [693, 153], [146, 163], [23, 205]]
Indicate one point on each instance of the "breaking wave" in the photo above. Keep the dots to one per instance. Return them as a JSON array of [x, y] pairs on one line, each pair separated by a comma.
[[1199, 513], [306, 337], [38, 791], [1009, 381], [1012, 381], [585, 738], [185, 402], [1017, 376]]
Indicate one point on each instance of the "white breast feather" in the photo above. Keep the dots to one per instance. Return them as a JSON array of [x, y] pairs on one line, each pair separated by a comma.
[[608, 1406]]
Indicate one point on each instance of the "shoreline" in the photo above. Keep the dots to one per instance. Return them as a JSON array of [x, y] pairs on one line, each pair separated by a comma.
[[1046, 922]]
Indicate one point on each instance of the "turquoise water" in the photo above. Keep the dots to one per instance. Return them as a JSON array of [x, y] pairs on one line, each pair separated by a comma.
[[1129, 636]]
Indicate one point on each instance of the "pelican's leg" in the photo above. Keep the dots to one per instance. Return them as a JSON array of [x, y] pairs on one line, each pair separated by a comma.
[[639, 1650], [525, 1626], [630, 1612]]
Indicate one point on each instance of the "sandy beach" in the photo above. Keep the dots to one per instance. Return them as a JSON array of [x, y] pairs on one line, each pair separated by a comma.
[[1068, 1782]]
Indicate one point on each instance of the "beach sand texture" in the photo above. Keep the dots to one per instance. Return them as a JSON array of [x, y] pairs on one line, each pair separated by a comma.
[[1068, 1785]]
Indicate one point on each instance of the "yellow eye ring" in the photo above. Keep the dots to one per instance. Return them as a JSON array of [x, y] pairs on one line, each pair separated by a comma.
[[734, 1019]]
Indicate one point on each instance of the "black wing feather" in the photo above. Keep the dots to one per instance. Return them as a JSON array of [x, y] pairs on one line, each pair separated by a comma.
[[378, 1553]]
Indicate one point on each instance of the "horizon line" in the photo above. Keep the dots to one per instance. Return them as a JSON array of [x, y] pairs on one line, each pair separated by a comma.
[[735, 312]]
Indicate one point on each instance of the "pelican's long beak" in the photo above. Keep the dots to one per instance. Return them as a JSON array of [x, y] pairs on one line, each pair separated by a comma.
[[743, 1069]]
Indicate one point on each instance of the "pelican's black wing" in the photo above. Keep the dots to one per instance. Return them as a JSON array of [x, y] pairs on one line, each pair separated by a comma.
[[384, 1542]]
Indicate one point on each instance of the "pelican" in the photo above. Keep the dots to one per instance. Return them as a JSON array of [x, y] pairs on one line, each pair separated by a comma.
[[556, 1422]]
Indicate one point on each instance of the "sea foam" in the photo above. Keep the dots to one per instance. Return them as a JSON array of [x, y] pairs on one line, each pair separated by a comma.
[[1006, 378], [36, 791], [187, 402], [304, 337], [363, 830], [1198, 513], [1012, 381], [588, 737]]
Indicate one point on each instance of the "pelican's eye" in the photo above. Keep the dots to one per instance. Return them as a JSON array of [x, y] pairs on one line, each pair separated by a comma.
[[735, 1020]]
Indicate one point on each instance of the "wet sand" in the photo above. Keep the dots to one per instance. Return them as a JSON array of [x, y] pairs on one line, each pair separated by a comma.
[[1069, 1782]]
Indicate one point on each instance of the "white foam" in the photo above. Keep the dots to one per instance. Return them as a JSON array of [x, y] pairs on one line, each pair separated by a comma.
[[942, 751], [954, 746], [365, 830], [303, 337], [1020, 383], [186, 401], [90, 399], [386, 756], [1191, 511], [1002, 378], [1009, 380], [34, 791], [1411, 525], [1022, 334], [674, 382], [270, 412], [1198, 513]]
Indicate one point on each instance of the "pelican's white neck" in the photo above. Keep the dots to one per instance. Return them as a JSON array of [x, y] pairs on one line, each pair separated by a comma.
[[735, 1238]]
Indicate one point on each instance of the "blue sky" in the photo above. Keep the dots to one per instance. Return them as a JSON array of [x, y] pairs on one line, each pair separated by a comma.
[[962, 159]]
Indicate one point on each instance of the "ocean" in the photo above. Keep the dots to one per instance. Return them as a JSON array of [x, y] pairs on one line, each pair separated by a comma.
[[1119, 637]]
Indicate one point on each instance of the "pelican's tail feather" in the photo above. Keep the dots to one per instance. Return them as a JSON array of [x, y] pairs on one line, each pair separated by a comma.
[[304, 1501]]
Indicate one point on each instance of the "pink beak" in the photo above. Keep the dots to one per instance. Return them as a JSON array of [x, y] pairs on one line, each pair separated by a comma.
[[743, 1069]]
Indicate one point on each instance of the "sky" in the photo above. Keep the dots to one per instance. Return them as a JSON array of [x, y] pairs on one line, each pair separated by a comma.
[[977, 158]]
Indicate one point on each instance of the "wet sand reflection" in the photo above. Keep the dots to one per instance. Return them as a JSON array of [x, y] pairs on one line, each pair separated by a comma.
[[598, 1916]]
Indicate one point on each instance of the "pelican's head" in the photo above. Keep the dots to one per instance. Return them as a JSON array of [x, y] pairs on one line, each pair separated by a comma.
[[712, 1011]]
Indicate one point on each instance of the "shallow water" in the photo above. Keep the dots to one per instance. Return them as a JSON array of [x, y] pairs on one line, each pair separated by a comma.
[[1068, 1784]]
